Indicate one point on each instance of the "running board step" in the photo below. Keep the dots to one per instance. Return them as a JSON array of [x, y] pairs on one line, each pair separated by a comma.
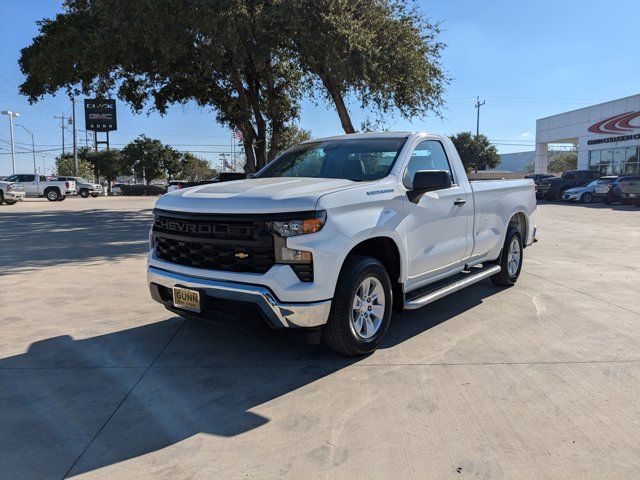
[[457, 284]]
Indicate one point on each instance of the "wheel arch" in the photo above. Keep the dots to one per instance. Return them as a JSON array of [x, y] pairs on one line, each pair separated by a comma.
[[520, 221], [386, 250]]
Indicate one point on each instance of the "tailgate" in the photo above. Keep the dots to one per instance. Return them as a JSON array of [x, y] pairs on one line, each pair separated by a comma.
[[630, 186]]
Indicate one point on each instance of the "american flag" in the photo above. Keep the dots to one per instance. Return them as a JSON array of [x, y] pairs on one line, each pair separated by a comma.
[[237, 134]]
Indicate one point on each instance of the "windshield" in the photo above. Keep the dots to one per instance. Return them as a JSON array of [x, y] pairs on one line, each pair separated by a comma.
[[80, 180], [351, 159]]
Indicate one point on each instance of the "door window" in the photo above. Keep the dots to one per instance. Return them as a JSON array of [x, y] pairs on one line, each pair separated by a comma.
[[27, 178], [428, 155]]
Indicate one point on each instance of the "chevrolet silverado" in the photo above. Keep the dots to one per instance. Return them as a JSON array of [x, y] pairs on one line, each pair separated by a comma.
[[337, 233]]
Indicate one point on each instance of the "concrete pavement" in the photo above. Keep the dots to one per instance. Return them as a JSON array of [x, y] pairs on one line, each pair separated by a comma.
[[97, 381]]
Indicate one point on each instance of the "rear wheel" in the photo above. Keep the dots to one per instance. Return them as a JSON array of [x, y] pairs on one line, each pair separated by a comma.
[[52, 194], [586, 198], [510, 259], [361, 308]]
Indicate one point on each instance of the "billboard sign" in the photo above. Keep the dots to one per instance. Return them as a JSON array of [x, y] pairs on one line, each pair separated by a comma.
[[100, 115]]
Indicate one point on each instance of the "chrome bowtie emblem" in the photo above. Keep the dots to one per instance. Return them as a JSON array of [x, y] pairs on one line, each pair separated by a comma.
[[241, 255]]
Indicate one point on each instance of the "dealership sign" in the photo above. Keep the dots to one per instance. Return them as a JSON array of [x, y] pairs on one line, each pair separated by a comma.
[[100, 115], [615, 125]]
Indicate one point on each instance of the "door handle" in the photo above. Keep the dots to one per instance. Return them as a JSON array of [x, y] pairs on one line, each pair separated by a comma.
[[459, 201]]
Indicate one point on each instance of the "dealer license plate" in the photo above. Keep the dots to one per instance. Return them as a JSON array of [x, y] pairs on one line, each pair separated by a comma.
[[186, 299]]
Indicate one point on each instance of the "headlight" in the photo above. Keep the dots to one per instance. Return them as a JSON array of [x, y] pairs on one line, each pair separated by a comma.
[[303, 226], [10, 187]]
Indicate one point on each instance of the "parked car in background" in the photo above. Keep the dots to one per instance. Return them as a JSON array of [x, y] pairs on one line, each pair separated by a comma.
[[605, 184], [630, 189], [84, 188], [584, 194], [179, 185], [537, 178], [553, 188], [116, 189], [38, 186], [611, 192], [11, 192]]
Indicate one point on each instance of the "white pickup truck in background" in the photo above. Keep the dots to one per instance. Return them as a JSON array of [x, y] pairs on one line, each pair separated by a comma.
[[336, 233], [10, 192], [36, 186]]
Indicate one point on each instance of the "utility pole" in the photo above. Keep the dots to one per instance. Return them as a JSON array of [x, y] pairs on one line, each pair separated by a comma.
[[62, 117], [13, 151], [75, 145], [478, 105]]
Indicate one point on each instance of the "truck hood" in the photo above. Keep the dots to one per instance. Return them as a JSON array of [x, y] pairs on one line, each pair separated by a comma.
[[255, 195]]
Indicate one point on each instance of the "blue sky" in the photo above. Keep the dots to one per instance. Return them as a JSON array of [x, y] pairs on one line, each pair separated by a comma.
[[527, 60]]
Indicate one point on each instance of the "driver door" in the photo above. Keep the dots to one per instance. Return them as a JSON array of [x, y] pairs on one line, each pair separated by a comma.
[[436, 226]]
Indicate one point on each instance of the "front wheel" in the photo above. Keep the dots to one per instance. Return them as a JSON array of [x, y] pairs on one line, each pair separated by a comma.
[[361, 308], [510, 259], [10, 202], [586, 198]]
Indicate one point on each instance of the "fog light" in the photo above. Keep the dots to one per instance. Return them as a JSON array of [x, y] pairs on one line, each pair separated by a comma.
[[289, 255]]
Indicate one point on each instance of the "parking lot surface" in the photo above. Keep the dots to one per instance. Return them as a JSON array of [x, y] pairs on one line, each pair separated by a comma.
[[539, 381]]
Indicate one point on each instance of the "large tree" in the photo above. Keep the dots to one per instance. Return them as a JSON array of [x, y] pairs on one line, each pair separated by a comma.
[[248, 60], [475, 150], [384, 53]]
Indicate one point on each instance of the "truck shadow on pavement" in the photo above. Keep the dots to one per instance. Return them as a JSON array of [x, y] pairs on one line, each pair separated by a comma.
[[32, 240], [70, 406]]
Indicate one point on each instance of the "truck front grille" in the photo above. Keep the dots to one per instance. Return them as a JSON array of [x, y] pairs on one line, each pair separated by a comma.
[[233, 243]]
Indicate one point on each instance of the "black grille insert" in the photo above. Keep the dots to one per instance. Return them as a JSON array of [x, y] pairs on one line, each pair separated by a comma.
[[234, 243]]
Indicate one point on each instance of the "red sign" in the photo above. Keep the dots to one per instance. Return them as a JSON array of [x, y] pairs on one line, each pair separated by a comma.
[[617, 124]]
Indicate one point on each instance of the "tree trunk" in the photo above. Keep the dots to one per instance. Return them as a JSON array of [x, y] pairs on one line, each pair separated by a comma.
[[332, 87]]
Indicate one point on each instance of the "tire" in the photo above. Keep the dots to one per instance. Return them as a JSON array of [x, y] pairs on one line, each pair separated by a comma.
[[509, 274], [1, 197], [356, 332], [586, 198], [62, 198], [550, 197], [10, 202], [52, 194], [84, 193]]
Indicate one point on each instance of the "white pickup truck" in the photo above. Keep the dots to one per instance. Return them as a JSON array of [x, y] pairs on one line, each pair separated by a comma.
[[36, 186], [10, 192], [336, 233]]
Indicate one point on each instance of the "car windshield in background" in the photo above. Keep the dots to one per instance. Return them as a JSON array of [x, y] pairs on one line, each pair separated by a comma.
[[353, 159]]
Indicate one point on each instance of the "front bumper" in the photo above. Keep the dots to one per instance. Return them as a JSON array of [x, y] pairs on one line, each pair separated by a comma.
[[573, 197], [280, 315], [15, 195]]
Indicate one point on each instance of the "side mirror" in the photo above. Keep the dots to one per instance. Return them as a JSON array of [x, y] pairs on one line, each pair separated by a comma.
[[427, 181]]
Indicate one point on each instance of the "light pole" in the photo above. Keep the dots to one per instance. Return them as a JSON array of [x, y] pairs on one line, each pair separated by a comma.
[[33, 147], [13, 151]]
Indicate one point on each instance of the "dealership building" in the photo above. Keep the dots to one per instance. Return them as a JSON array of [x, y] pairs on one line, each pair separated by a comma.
[[607, 136]]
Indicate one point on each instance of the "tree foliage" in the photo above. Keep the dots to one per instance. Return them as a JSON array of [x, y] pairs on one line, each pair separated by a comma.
[[150, 158], [475, 150], [250, 61], [195, 169], [65, 164], [384, 53], [561, 161]]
